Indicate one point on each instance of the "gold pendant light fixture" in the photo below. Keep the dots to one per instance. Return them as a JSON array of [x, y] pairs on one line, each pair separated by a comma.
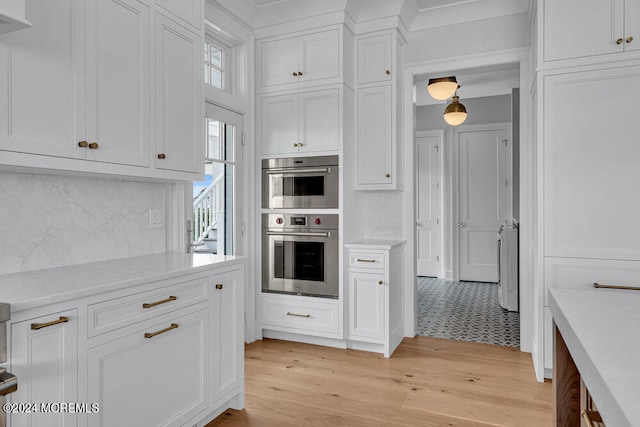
[[442, 88]]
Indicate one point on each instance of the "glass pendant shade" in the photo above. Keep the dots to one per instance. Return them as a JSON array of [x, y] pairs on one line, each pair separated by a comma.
[[455, 114], [442, 88]]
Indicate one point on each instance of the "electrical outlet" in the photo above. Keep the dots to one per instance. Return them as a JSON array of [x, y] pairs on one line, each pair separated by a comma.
[[156, 218]]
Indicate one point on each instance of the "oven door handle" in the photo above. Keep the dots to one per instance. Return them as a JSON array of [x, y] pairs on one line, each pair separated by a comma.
[[294, 171], [298, 233]]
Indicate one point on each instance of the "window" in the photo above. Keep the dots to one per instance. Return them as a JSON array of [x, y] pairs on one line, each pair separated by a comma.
[[215, 58], [215, 209]]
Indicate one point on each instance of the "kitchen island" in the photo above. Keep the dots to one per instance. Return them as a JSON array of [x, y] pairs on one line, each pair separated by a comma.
[[148, 340], [597, 339]]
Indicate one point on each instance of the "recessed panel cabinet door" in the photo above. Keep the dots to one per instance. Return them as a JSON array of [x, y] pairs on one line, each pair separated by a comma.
[[142, 380], [179, 132], [45, 360], [366, 305], [375, 153], [279, 59], [279, 124], [577, 28], [631, 25], [42, 81], [118, 61], [318, 56], [374, 59], [319, 121]]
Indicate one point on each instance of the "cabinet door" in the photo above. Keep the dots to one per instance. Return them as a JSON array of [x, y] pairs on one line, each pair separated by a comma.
[[319, 56], [179, 130], [591, 172], [188, 10], [592, 31], [375, 146], [632, 24], [161, 380], [366, 305], [42, 81], [374, 59], [46, 364], [278, 62], [319, 127], [228, 346], [279, 124], [118, 84]]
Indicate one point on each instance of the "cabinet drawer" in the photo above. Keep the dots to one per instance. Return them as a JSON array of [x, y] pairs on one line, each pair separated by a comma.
[[120, 312], [300, 315], [368, 260]]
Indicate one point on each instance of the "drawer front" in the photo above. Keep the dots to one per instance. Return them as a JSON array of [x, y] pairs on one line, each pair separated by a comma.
[[300, 315], [120, 312], [368, 260]]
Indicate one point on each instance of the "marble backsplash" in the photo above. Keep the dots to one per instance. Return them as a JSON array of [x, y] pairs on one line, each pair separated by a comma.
[[53, 220]]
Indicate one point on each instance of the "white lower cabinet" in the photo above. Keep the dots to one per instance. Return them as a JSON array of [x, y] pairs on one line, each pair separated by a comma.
[[44, 356], [155, 376], [166, 353], [375, 295]]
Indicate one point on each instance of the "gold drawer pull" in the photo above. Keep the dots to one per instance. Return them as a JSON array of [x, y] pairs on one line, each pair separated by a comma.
[[162, 331], [592, 418], [36, 326], [298, 315], [629, 288], [365, 260], [153, 304]]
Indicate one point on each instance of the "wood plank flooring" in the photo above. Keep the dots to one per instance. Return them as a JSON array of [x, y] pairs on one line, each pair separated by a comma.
[[427, 382]]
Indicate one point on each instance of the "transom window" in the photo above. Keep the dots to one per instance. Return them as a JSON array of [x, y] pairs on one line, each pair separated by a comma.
[[214, 65]]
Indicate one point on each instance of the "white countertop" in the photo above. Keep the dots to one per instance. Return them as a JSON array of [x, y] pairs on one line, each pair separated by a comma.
[[41, 287], [602, 331], [375, 244]]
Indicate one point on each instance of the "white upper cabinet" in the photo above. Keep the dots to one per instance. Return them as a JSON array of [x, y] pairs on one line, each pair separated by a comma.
[[118, 84], [584, 28], [375, 150], [42, 81], [308, 122], [300, 61], [179, 106], [374, 59], [80, 85]]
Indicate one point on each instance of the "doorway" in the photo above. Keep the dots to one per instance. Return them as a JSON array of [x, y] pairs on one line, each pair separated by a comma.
[[216, 210], [460, 300]]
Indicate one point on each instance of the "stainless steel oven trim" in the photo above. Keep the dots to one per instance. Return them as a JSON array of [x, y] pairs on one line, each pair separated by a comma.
[[294, 171]]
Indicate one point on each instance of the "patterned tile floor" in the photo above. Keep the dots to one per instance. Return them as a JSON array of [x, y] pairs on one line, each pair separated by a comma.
[[465, 311]]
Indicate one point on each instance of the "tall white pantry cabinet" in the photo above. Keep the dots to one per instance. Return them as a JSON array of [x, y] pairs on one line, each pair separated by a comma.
[[588, 84]]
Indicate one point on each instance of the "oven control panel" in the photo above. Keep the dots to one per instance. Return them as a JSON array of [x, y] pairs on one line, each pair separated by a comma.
[[300, 221]]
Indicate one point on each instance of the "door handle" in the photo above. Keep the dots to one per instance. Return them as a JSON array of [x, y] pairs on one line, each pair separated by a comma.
[[462, 224]]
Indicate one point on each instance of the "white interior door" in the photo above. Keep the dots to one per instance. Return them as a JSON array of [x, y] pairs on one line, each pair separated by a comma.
[[428, 205], [482, 199]]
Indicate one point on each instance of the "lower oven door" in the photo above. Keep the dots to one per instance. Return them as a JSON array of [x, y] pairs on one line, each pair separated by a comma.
[[301, 263], [300, 188]]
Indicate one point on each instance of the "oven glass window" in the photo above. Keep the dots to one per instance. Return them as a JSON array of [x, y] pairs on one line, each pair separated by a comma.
[[303, 186], [299, 260]]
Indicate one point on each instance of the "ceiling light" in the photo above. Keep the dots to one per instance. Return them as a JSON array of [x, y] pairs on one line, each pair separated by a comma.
[[455, 114], [442, 88]]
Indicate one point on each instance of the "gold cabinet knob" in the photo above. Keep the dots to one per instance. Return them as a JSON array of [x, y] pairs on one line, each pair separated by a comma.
[[388, 72], [295, 74], [380, 282], [619, 41], [83, 144], [299, 73], [93, 146], [629, 39], [161, 156], [219, 286], [388, 175]]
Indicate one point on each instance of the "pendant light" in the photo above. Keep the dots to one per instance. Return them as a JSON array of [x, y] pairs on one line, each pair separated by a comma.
[[442, 88], [455, 114]]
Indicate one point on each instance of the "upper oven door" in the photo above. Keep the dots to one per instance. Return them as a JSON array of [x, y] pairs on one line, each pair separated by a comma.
[[309, 187]]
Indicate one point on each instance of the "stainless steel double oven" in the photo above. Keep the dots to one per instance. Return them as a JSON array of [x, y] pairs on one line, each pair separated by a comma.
[[300, 250]]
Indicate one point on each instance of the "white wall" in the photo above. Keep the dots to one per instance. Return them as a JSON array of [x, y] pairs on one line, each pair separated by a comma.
[[52, 220]]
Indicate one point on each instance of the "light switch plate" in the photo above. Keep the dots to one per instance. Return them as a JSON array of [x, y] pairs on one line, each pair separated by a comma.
[[156, 218]]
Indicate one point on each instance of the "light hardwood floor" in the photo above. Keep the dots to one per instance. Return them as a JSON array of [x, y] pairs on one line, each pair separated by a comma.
[[427, 382]]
